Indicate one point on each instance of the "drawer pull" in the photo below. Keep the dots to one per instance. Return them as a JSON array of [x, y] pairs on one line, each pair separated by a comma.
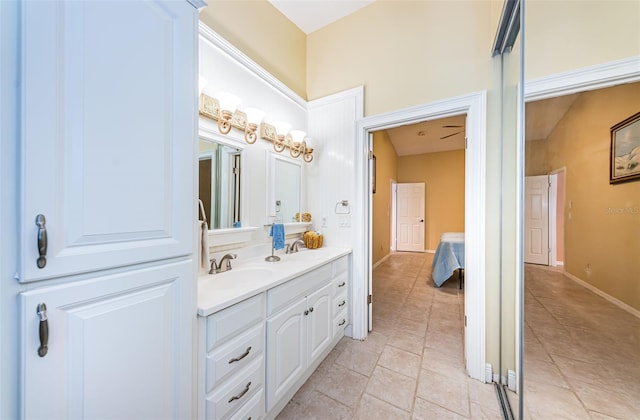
[[342, 303], [311, 309], [240, 395], [41, 222], [242, 356], [43, 329], [341, 284], [341, 323], [306, 312]]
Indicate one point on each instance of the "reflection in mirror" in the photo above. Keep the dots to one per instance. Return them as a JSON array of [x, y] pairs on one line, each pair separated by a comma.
[[220, 184], [285, 184]]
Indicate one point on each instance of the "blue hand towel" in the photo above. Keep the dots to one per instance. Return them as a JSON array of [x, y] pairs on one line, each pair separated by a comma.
[[277, 232]]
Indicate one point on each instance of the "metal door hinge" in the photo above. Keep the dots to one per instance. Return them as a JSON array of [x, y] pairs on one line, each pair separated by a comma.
[[370, 155], [465, 320], [369, 299]]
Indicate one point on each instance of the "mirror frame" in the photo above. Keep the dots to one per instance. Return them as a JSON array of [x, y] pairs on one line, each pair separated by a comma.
[[208, 131]]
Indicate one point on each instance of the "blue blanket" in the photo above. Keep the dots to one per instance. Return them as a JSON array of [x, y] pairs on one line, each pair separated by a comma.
[[277, 233], [449, 257]]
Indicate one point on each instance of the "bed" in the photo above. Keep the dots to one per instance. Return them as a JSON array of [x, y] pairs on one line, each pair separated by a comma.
[[449, 257]]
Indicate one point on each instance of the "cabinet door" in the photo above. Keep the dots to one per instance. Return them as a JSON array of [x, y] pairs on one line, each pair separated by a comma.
[[319, 321], [119, 346], [286, 351], [108, 102]]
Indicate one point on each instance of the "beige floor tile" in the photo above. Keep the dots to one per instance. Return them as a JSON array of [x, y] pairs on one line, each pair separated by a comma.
[[391, 387], [343, 385], [425, 410], [321, 407], [400, 361], [410, 343], [410, 326], [544, 372], [359, 360], [371, 408], [545, 401], [445, 391]]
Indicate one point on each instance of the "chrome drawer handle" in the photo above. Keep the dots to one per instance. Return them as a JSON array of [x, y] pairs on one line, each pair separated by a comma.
[[341, 284], [242, 356], [342, 323], [41, 222], [240, 395], [342, 303], [43, 330]]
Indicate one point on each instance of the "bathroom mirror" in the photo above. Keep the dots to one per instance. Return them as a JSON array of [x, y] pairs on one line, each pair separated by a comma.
[[285, 189], [220, 183]]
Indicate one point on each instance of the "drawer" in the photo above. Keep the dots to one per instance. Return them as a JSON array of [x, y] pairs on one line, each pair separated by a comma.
[[282, 296], [340, 322], [233, 356], [340, 265], [340, 303], [230, 322], [235, 393], [252, 409], [340, 284]]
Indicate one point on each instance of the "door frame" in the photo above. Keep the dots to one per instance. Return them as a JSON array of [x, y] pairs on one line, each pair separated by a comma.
[[474, 106]]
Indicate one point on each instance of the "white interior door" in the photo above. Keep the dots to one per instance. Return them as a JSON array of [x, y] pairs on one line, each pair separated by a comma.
[[536, 220], [410, 217]]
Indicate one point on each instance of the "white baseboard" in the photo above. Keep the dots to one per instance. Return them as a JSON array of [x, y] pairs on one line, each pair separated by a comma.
[[617, 302], [382, 260], [430, 251], [560, 263]]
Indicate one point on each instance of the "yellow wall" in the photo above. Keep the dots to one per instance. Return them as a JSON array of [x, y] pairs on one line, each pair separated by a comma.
[[602, 225], [386, 171], [443, 175], [261, 32]]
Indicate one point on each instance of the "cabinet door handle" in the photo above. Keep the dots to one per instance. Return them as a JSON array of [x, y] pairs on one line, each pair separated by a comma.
[[341, 284], [242, 356], [41, 222], [311, 309], [241, 394], [306, 313], [43, 330], [342, 323], [342, 303]]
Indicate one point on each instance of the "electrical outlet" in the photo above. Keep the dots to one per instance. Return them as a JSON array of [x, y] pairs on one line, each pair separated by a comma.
[[324, 223]]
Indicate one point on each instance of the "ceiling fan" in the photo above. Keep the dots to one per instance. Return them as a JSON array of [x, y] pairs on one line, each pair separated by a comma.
[[453, 134]]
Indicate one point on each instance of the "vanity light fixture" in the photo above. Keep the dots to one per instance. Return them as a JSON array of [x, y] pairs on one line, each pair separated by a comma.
[[228, 103], [280, 140], [254, 118], [298, 145]]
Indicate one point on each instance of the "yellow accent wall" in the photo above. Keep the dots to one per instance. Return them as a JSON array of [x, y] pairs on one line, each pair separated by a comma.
[[602, 226], [386, 171], [443, 175], [264, 34]]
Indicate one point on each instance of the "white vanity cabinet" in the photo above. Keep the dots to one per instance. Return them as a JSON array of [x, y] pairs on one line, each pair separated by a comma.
[[300, 329], [108, 119], [341, 297], [232, 354]]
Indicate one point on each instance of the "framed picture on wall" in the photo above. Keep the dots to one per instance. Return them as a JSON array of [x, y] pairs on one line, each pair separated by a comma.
[[625, 150]]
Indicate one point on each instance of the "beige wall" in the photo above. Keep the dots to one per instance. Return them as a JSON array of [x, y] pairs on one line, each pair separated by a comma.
[[261, 32], [443, 175], [386, 171], [602, 224]]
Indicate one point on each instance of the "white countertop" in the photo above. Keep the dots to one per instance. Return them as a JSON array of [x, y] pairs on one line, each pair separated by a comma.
[[252, 276]]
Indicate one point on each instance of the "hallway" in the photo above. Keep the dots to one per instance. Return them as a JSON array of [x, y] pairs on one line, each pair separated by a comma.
[[410, 366]]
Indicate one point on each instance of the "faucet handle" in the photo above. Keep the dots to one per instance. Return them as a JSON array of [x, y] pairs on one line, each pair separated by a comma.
[[287, 249], [212, 269]]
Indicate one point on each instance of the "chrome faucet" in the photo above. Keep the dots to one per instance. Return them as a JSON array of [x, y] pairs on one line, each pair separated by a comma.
[[294, 246], [225, 264]]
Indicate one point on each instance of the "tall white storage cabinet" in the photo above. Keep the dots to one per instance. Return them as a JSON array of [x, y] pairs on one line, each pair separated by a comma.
[[108, 101]]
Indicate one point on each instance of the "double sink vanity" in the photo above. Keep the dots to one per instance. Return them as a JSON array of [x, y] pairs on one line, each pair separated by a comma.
[[264, 327]]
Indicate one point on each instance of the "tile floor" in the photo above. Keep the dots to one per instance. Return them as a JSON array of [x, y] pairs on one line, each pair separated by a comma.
[[582, 353], [410, 366]]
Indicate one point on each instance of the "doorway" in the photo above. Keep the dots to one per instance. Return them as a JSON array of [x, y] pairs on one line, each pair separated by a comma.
[[474, 106]]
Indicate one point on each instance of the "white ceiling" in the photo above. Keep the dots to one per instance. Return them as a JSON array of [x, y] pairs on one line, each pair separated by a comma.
[[427, 136], [311, 15]]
